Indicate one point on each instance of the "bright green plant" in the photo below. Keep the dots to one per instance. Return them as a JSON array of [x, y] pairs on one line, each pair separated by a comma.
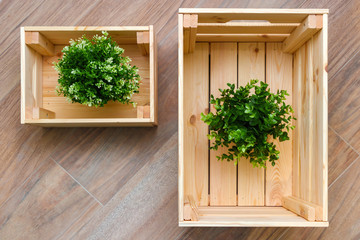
[[93, 72], [244, 119]]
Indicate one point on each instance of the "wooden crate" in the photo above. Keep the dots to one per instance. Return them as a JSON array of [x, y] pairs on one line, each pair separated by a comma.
[[287, 48], [40, 105]]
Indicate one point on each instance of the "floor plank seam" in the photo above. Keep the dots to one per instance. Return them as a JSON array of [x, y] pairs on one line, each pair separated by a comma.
[[78, 182], [344, 140], [348, 167]]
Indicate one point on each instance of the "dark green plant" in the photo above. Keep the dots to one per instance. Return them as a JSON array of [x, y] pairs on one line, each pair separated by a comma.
[[93, 72], [243, 121]]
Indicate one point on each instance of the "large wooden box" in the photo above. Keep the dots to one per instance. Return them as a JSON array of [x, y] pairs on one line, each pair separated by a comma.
[[40, 104], [287, 48]]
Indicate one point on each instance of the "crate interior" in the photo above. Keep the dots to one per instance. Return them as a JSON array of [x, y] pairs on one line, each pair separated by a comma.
[[41, 79], [293, 193]]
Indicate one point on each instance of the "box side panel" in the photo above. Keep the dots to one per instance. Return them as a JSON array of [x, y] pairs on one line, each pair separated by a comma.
[[251, 65], [310, 140], [279, 76], [181, 118], [223, 70], [31, 80], [153, 76], [196, 101]]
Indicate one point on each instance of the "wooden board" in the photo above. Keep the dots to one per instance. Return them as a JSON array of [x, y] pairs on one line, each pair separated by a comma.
[[196, 154], [279, 76], [223, 70], [321, 115], [221, 15], [249, 217], [310, 137], [246, 28], [66, 110], [251, 65]]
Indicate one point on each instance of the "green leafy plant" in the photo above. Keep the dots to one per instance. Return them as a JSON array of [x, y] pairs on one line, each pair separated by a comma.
[[244, 119], [93, 72]]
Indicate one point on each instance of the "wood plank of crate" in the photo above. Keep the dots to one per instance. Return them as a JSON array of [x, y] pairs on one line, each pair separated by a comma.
[[191, 212], [310, 145], [223, 70], [190, 29], [320, 189], [241, 37], [143, 41], [222, 15], [41, 113], [196, 101], [31, 90], [246, 28], [251, 65], [153, 75], [39, 43], [306, 209], [278, 76], [311, 25]]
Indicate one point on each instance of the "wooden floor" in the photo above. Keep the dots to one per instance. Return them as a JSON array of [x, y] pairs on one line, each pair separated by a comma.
[[121, 183]]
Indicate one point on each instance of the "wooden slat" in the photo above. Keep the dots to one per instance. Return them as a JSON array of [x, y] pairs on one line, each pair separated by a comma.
[[241, 37], [251, 65], [190, 210], [221, 15], [141, 42], [298, 72], [190, 29], [320, 188], [196, 101], [246, 28], [143, 111], [181, 174], [311, 25], [41, 113], [223, 70], [39, 43], [153, 63], [279, 76], [31, 79], [305, 209], [250, 217]]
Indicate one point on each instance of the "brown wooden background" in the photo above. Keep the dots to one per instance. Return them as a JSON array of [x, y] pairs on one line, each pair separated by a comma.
[[121, 183]]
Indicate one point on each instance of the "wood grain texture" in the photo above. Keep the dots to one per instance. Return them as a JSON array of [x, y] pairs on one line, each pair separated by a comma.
[[25, 148], [196, 101], [278, 76], [223, 70], [251, 65], [41, 206]]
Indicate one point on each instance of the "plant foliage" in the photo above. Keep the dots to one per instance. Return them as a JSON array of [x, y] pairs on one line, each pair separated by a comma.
[[93, 72], [244, 119]]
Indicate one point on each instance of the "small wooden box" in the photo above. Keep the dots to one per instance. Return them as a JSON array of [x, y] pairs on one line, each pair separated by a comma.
[[287, 48], [40, 104]]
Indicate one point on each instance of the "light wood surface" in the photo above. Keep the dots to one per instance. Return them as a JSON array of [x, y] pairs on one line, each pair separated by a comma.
[[241, 37], [196, 101], [251, 65], [223, 70], [279, 76], [39, 43], [246, 28], [311, 25], [305, 209]]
